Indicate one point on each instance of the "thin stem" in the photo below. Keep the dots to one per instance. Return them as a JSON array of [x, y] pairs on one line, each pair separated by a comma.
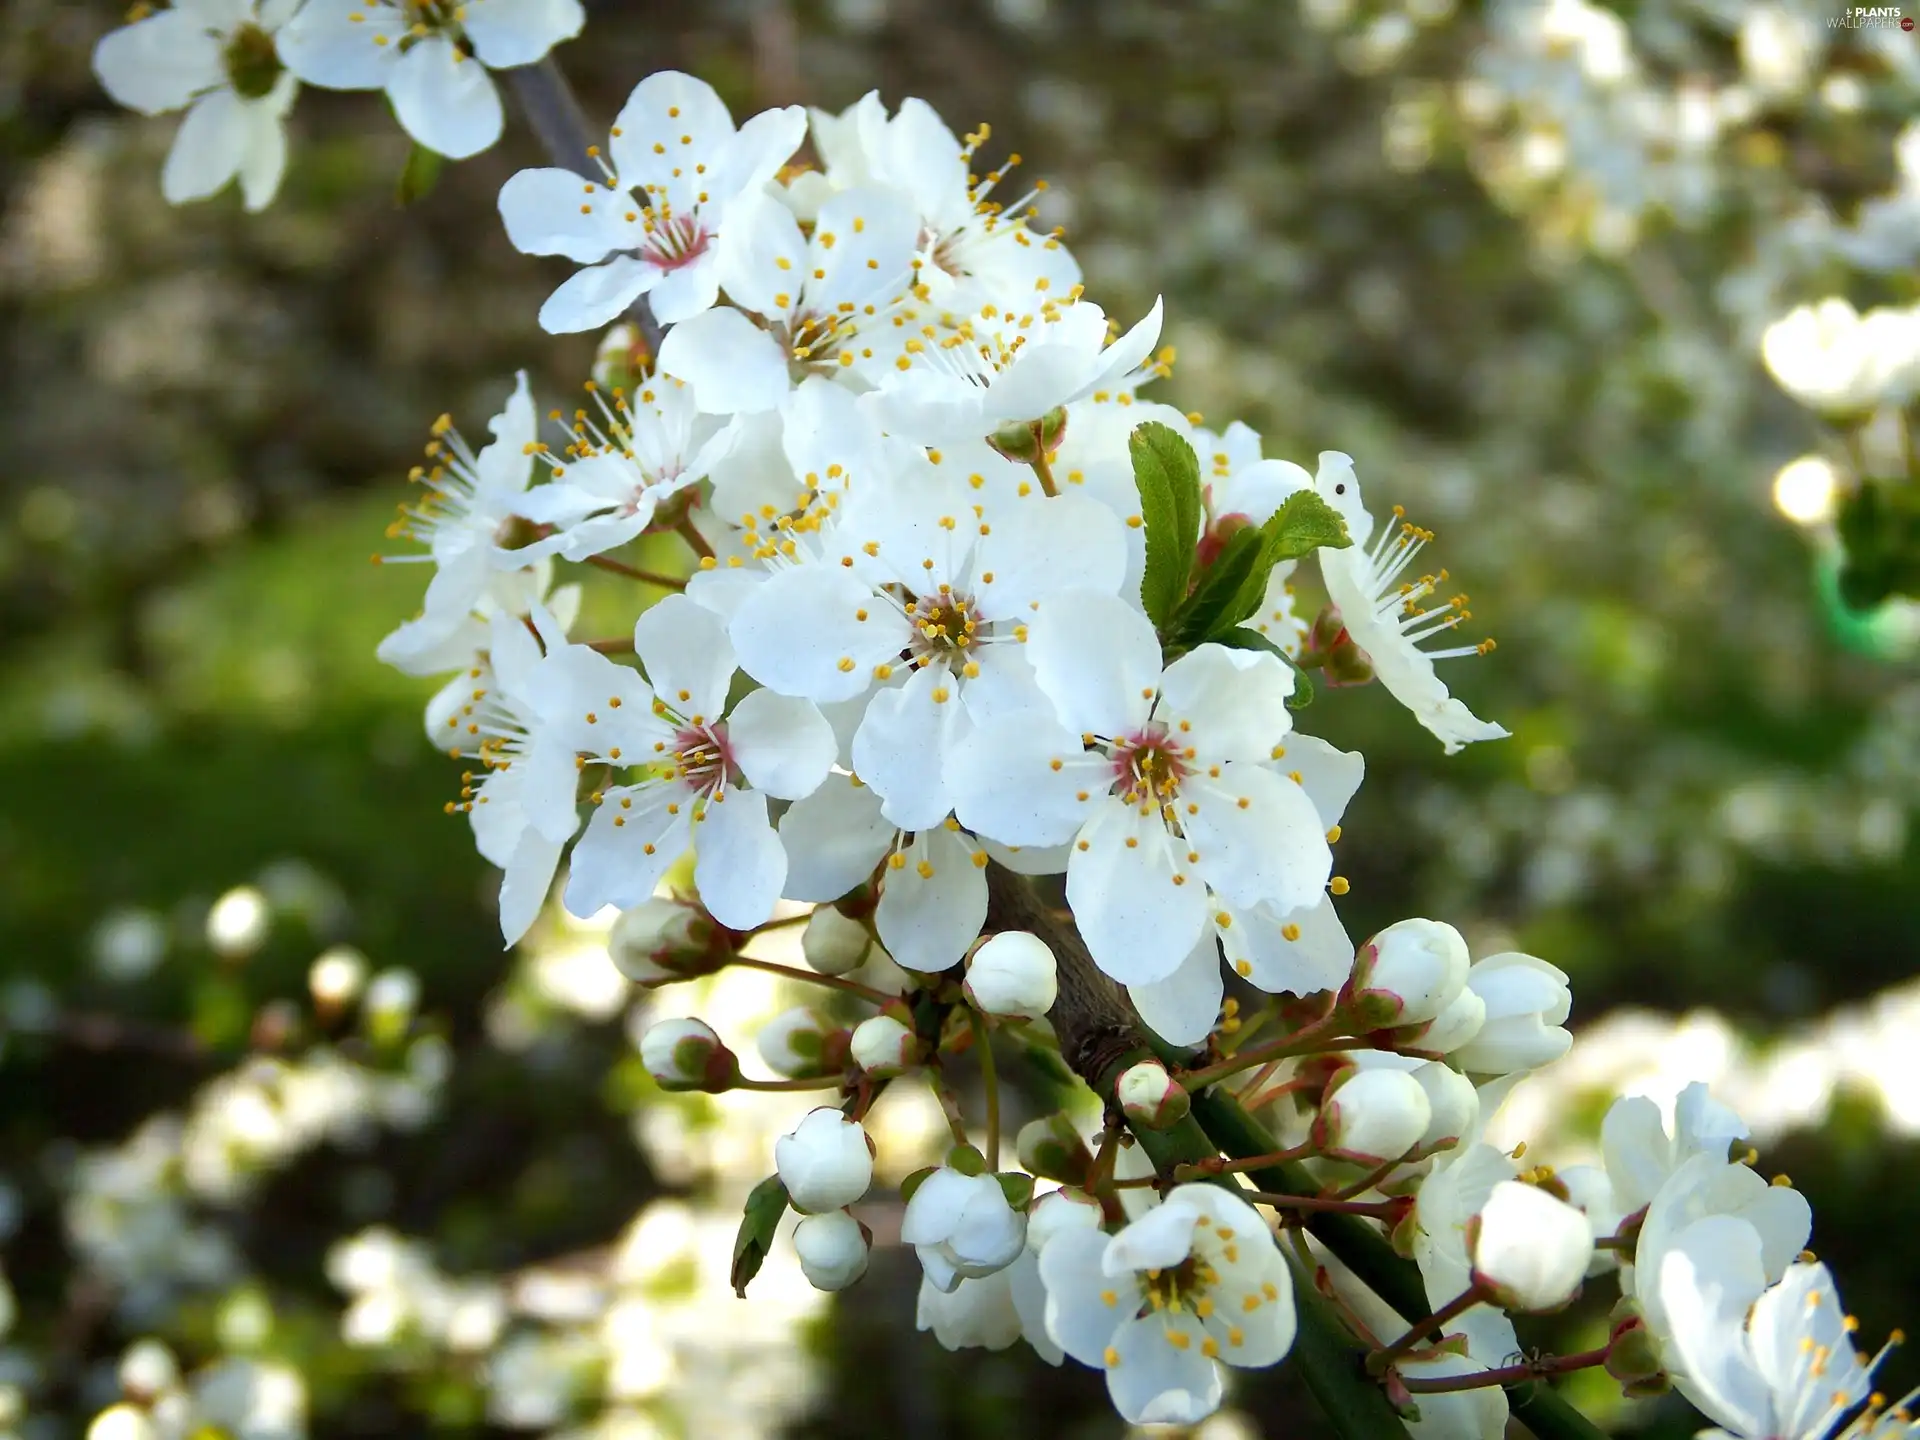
[[1200, 1170], [1509, 1374], [1372, 1209], [983, 1042], [613, 645], [781, 924], [556, 118], [1288, 1047], [949, 1107], [813, 977], [634, 572], [1043, 469], [1380, 1360], [1371, 1178], [695, 540], [815, 1082]]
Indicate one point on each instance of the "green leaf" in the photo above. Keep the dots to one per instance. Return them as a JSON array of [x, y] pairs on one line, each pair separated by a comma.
[[1241, 638], [1305, 523], [765, 1205], [1216, 601], [1167, 474], [418, 175]]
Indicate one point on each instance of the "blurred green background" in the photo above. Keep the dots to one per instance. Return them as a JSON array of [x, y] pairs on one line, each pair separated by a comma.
[[207, 418]]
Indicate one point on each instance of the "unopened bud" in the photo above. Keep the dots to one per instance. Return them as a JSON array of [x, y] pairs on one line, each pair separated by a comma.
[[1052, 1148], [1529, 1250], [1633, 1355], [832, 943], [1013, 974], [687, 1055], [1058, 1211], [1407, 974], [1347, 664], [660, 941], [1025, 441], [826, 1162], [1447, 1031], [882, 1046], [1372, 1116], [802, 1043], [1527, 1002], [1327, 631], [833, 1248], [1151, 1097], [1454, 1101]]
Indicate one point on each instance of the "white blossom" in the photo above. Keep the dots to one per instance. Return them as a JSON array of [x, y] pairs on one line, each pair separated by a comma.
[[1530, 1247], [962, 1227], [833, 1248], [1373, 1115], [826, 1161], [1526, 1003], [1012, 974]]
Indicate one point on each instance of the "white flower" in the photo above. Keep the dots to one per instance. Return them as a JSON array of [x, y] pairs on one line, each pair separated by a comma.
[[1012, 974], [920, 588], [973, 249], [1455, 1190], [832, 943], [1832, 359], [826, 1161], [1381, 609], [1527, 1002], [1054, 1212], [1159, 780], [1193, 1283], [1373, 1115], [1409, 973], [881, 1046], [531, 720], [711, 771], [677, 169], [1639, 1153], [817, 295], [962, 1227], [468, 511], [991, 1312], [432, 60], [1530, 1247], [219, 58], [832, 1247], [643, 449], [1000, 368], [1766, 1363]]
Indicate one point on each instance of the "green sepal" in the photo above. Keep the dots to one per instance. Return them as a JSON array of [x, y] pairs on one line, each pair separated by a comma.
[[1167, 474], [1017, 1187], [914, 1181], [967, 1160], [418, 176], [766, 1203], [1220, 599], [1241, 638]]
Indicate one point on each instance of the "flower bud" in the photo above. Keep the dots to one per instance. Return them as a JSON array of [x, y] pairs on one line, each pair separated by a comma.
[[883, 1046], [1408, 973], [1051, 1147], [801, 1043], [826, 1162], [1528, 1249], [1025, 441], [1012, 974], [1372, 1116], [962, 1227], [1151, 1097], [687, 1055], [659, 941], [1347, 664], [1058, 1211], [1633, 1354], [832, 943], [1527, 1002], [1447, 1031], [832, 1247], [1454, 1102]]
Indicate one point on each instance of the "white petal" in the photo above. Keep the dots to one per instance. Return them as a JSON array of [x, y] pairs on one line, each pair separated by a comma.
[[506, 33], [733, 367], [666, 105], [208, 149], [337, 44], [927, 917], [685, 651], [619, 864], [1126, 353], [1157, 1382], [1098, 660], [1018, 780], [834, 837], [1029, 1298], [762, 256], [524, 886], [263, 157], [782, 744], [1228, 704], [1161, 1238], [596, 296], [754, 156], [542, 210], [936, 1208], [801, 633], [739, 867], [1329, 776], [446, 102], [1138, 924], [158, 64], [898, 750], [1044, 545], [1182, 1008], [1297, 952], [1258, 837], [683, 293], [1078, 1321], [1707, 1281]]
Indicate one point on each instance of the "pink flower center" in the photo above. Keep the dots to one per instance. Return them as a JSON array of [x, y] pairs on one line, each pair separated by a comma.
[[703, 759], [1149, 765], [675, 241]]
